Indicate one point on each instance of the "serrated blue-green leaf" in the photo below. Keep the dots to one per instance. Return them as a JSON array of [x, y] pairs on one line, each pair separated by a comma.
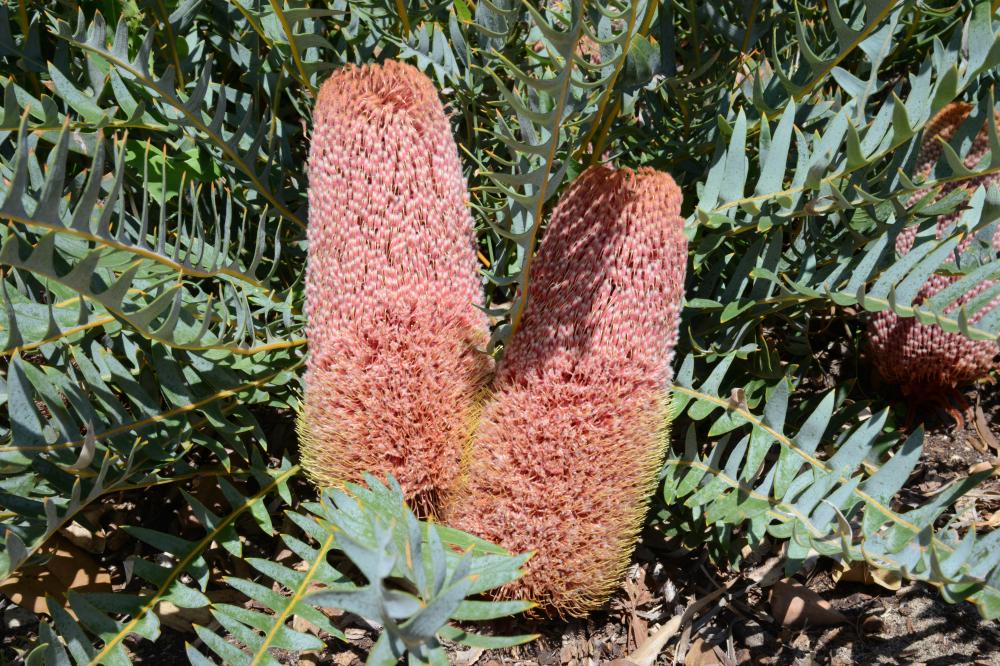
[[448, 632], [428, 620], [72, 634], [387, 650], [890, 477], [366, 601], [806, 441], [229, 653], [475, 610]]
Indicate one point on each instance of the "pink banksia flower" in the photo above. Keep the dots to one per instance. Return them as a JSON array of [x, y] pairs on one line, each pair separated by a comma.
[[927, 362], [394, 374], [569, 447]]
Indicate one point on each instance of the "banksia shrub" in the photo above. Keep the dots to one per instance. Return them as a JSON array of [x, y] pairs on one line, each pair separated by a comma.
[[568, 450], [393, 375], [925, 360]]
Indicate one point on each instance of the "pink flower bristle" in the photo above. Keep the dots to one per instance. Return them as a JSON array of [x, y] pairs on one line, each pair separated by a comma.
[[927, 362], [568, 450], [394, 377]]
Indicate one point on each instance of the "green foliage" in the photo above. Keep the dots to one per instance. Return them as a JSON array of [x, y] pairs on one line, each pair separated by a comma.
[[371, 526], [800, 223], [97, 612], [384, 543], [153, 193]]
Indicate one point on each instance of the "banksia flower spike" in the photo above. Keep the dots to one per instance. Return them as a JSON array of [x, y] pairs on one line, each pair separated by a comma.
[[393, 377], [568, 450], [926, 361]]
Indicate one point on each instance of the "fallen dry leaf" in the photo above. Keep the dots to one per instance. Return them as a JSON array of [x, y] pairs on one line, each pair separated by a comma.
[[983, 428], [346, 659], [861, 572], [768, 573], [992, 522], [355, 633], [638, 630], [466, 657], [980, 467], [795, 605], [636, 596], [67, 568], [701, 654], [81, 537], [647, 653]]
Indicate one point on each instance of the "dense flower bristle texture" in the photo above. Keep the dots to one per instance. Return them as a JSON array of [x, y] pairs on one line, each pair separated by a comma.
[[393, 377], [567, 452], [923, 359]]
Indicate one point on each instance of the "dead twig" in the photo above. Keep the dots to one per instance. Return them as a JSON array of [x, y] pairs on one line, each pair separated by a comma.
[[646, 654]]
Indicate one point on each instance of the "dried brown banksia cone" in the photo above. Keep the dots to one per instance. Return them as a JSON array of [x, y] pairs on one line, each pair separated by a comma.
[[927, 362], [393, 377], [568, 450]]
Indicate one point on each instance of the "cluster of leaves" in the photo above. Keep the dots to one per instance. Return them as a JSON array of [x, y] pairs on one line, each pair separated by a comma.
[[417, 584], [788, 236], [153, 197]]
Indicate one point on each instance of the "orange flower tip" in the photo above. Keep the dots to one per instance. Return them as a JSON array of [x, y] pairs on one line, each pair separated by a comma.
[[375, 89]]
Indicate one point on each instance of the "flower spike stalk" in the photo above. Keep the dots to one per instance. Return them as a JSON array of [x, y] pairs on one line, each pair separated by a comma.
[[568, 450], [927, 362], [394, 375]]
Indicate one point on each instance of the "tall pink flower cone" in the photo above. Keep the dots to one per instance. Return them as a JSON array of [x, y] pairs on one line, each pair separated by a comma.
[[393, 377], [926, 361], [568, 450]]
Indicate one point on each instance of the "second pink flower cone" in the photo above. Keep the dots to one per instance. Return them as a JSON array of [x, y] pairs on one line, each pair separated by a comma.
[[569, 447], [928, 362]]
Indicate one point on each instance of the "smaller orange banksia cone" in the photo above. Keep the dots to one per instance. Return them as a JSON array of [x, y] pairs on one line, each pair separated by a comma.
[[568, 450], [923, 359], [393, 377]]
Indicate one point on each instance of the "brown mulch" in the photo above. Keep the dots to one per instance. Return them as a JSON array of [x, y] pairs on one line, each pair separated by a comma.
[[911, 625]]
